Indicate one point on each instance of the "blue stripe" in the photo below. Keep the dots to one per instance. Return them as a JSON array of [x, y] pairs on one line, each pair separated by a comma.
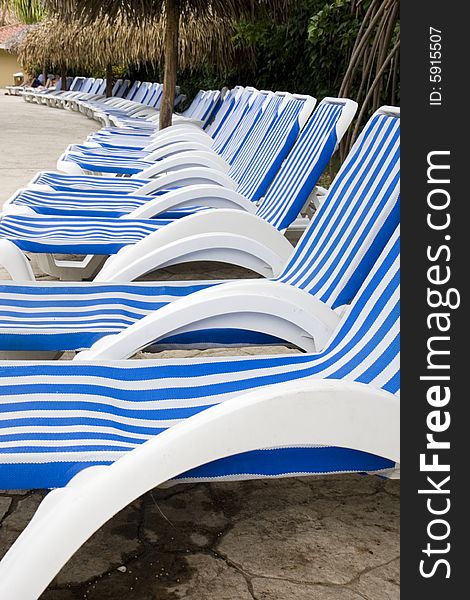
[[276, 463]]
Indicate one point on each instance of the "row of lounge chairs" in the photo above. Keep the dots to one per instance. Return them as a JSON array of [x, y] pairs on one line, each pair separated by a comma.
[[75, 87], [127, 99], [132, 199]]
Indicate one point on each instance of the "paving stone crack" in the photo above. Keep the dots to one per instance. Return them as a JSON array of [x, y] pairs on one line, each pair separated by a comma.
[[251, 575], [15, 501]]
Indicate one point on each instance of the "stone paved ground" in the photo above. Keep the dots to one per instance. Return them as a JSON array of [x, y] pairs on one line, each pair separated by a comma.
[[325, 538]]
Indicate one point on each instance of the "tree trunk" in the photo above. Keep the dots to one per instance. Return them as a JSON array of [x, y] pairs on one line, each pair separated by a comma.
[[171, 61], [44, 74], [109, 81], [63, 79]]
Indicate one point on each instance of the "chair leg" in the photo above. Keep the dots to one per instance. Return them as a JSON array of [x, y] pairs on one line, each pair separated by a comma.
[[15, 262], [223, 235], [70, 270]]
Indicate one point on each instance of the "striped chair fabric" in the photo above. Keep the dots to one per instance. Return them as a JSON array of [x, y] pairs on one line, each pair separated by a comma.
[[59, 418], [268, 143], [133, 161], [72, 235], [330, 261]]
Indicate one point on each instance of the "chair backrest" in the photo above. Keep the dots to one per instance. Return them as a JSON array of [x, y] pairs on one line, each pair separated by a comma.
[[99, 85], [189, 112], [179, 98], [159, 97], [132, 91], [244, 163], [366, 346], [258, 109], [228, 103], [202, 104], [123, 88], [210, 106], [155, 95], [356, 219], [142, 92], [116, 87], [197, 109], [256, 165], [300, 172], [87, 85], [96, 85], [75, 86], [149, 94], [234, 118]]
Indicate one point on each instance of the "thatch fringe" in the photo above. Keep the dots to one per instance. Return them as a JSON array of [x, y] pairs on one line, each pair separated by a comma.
[[138, 9], [118, 41]]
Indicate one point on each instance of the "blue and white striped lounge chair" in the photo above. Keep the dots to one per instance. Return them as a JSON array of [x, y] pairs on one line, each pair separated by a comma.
[[80, 159], [89, 86], [147, 105], [323, 274], [137, 95], [203, 110], [24, 90], [232, 113], [317, 141], [254, 152], [33, 95], [289, 113], [227, 117], [197, 113], [133, 94], [253, 105], [126, 92], [119, 88], [142, 95], [46, 96], [105, 433], [238, 228], [79, 84], [134, 134], [271, 118], [150, 118], [98, 89], [120, 91]]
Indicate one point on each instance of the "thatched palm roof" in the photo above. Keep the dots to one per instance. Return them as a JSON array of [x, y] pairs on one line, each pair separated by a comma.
[[174, 12], [142, 8], [74, 45]]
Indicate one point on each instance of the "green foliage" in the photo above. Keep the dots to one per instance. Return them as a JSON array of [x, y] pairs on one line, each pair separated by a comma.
[[119, 72], [309, 53], [332, 32], [282, 51]]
